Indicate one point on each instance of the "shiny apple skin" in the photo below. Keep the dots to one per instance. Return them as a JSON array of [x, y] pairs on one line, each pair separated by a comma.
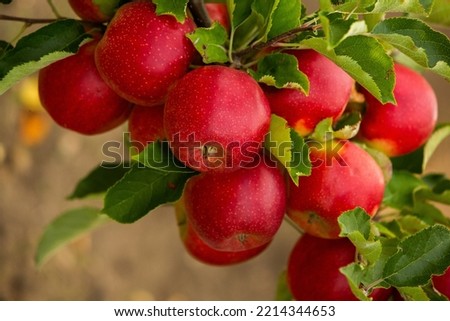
[[216, 118], [90, 11], [146, 125], [142, 54], [400, 129], [343, 177], [329, 93], [76, 97], [236, 211], [202, 252], [313, 270]]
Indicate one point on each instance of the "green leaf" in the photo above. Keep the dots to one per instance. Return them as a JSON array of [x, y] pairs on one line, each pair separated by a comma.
[[66, 228], [4, 47], [440, 13], [281, 70], [289, 148], [354, 274], [365, 60], [413, 293], [346, 128], [39, 49], [285, 17], [411, 224], [373, 274], [429, 213], [239, 10], [158, 156], [414, 38], [417, 161], [399, 191], [382, 6], [107, 7], [356, 220], [283, 293], [99, 180], [176, 8], [142, 190], [420, 255], [262, 10], [210, 43], [337, 28], [432, 293], [441, 132], [382, 160], [355, 225]]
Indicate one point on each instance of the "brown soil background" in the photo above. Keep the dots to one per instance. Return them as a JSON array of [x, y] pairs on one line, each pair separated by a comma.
[[142, 261]]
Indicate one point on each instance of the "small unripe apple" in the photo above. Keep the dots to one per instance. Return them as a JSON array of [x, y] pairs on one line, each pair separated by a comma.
[[400, 129], [216, 118], [329, 93], [236, 211], [91, 10], [218, 12], [313, 270], [343, 176], [146, 125], [202, 252], [142, 54], [76, 97], [442, 283]]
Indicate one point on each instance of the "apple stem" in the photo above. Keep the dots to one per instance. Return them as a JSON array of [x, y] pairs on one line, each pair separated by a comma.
[[257, 47], [199, 13]]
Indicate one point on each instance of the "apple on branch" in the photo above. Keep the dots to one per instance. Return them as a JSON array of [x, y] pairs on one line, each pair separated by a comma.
[[76, 97], [343, 177], [329, 93], [400, 129], [142, 54], [239, 210], [216, 118]]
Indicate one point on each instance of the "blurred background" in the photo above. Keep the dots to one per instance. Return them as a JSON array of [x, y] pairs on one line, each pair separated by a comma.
[[40, 164]]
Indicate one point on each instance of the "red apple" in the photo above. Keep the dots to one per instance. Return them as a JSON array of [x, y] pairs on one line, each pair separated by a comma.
[[142, 54], [216, 118], [400, 129], [330, 89], [442, 283], [92, 10], [343, 177], [218, 12], [313, 270], [202, 252], [146, 125], [76, 97], [236, 211]]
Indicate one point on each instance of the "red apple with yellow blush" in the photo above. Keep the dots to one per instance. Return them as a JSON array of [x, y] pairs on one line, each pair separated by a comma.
[[329, 93], [343, 177], [402, 128]]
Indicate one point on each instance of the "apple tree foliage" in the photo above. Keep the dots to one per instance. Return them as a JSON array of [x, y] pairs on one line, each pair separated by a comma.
[[402, 249]]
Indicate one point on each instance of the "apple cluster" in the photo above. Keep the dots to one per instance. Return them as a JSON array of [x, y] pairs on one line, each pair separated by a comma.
[[215, 119]]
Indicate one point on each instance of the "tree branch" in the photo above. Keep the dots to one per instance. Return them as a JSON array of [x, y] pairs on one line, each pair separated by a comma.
[[280, 38], [28, 21], [199, 13]]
